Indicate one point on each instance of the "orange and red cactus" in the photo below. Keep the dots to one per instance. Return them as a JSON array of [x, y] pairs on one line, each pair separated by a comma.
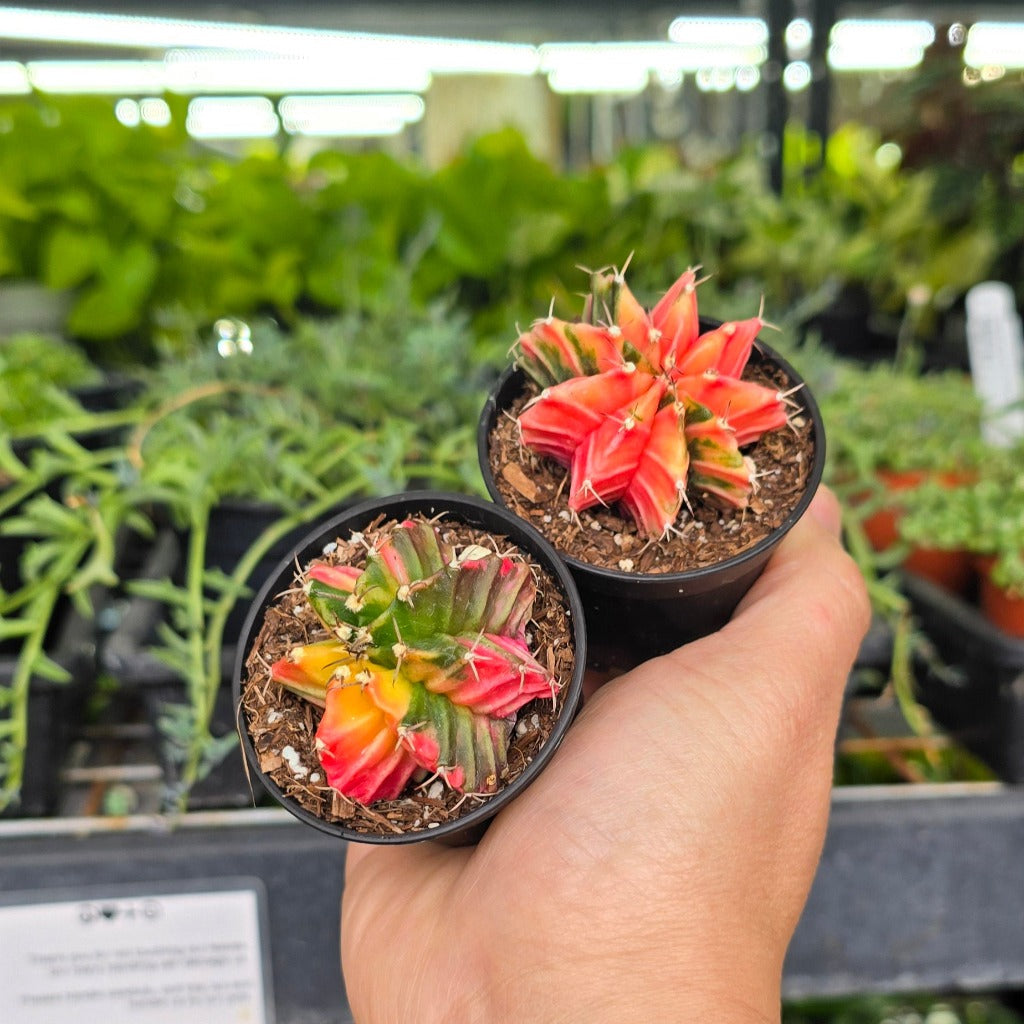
[[644, 405], [427, 665]]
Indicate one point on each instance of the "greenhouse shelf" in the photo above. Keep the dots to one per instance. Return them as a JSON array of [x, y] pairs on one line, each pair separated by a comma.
[[918, 890]]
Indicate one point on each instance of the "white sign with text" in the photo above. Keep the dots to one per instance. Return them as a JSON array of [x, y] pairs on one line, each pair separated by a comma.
[[166, 958]]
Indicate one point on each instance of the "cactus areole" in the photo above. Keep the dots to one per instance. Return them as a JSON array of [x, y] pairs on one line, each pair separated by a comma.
[[663, 454], [410, 669]]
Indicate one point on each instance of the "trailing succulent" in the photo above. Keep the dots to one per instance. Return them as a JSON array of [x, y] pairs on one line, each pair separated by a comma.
[[426, 667], [641, 405]]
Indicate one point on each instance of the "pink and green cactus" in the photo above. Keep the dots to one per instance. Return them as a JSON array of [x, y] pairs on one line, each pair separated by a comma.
[[640, 406], [427, 664]]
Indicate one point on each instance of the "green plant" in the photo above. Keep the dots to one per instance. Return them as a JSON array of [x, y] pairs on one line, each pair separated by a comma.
[[646, 404], [71, 551], [880, 418], [872, 225], [190, 467], [985, 517], [427, 663], [371, 216], [880, 421], [901, 1009], [87, 204], [298, 422], [496, 258], [241, 246], [965, 128], [62, 509], [37, 376]]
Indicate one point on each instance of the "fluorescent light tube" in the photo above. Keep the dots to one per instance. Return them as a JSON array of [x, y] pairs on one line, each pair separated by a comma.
[[881, 34], [231, 117], [995, 43], [349, 115], [97, 76], [13, 78], [719, 31], [631, 59], [197, 71], [425, 53]]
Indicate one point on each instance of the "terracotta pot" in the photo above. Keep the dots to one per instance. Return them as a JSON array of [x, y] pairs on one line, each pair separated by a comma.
[[632, 617], [948, 568], [1002, 607], [882, 527], [461, 508]]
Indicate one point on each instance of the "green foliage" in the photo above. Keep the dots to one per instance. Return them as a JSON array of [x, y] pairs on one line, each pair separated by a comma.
[[970, 496], [371, 218], [340, 407], [242, 243], [387, 399], [877, 417], [858, 222], [86, 203], [301, 421], [504, 220], [36, 374], [72, 551], [156, 237], [896, 1009], [984, 516]]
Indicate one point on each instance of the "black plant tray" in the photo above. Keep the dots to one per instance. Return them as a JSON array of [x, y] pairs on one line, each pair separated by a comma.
[[975, 688], [235, 524], [126, 654], [54, 711], [871, 666]]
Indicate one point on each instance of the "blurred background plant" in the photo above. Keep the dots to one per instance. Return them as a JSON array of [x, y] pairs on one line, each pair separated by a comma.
[[887, 1009], [306, 329]]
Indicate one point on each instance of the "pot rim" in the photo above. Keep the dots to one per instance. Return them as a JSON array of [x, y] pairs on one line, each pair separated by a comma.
[[527, 539], [755, 551]]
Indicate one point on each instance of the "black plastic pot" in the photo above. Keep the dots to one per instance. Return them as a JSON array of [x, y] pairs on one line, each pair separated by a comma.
[[464, 509], [126, 655], [853, 328], [235, 525], [127, 651], [632, 616]]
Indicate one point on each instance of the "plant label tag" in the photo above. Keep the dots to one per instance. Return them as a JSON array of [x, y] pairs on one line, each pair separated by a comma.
[[995, 348], [128, 956]]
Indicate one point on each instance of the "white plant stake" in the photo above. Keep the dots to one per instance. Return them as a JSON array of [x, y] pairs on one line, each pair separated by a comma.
[[996, 350]]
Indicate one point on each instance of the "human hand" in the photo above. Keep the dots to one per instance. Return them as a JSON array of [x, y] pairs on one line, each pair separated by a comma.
[[656, 869]]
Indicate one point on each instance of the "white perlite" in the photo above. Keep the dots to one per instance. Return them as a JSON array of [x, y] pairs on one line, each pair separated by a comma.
[[291, 757]]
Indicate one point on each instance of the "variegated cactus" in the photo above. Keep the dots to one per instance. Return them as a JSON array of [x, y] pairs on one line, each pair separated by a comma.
[[427, 665], [642, 405]]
